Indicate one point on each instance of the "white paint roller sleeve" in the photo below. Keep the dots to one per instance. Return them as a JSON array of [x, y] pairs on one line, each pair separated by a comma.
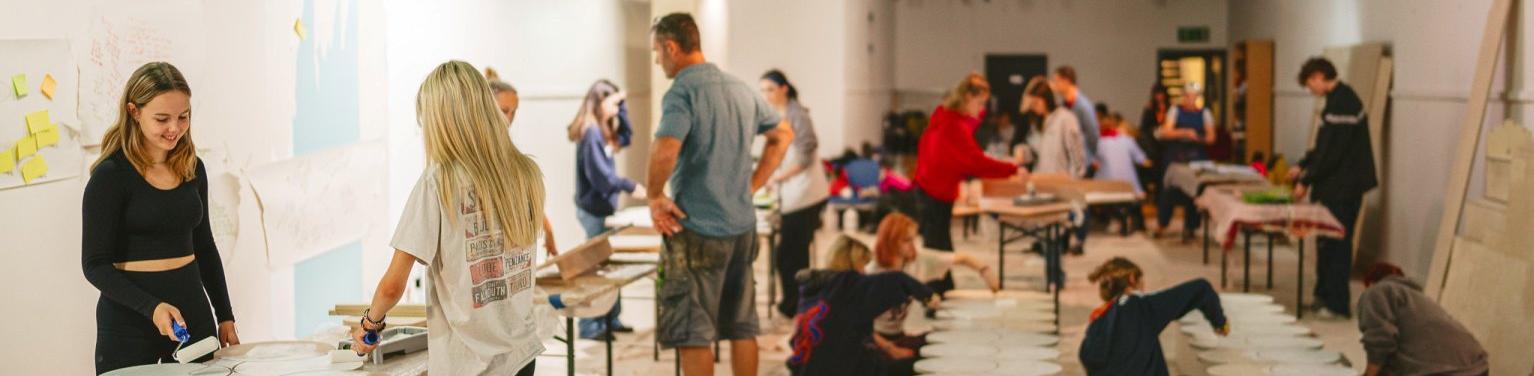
[[197, 350]]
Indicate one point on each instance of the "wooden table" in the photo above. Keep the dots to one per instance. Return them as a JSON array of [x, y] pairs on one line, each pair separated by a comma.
[[1230, 215]]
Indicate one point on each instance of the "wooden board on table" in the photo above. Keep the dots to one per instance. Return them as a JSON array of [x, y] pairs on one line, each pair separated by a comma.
[[584, 258], [354, 321], [402, 310]]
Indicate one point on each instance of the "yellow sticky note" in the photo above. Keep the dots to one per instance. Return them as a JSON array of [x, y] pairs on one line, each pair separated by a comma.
[[38, 121], [33, 169], [26, 147], [7, 160], [19, 82], [298, 28], [49, 85], [47, 137]]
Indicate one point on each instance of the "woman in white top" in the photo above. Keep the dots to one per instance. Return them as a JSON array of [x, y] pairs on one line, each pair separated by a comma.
[[1060, 149], [473, 219], [802, 187]]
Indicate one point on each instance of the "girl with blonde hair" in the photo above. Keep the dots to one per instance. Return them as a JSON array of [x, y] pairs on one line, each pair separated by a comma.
[[147, 244], [473, 219]]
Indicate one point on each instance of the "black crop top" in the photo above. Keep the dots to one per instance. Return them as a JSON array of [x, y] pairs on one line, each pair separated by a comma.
[[127, 219]]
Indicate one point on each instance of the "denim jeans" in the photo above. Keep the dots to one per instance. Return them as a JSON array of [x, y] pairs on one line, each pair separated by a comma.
[[592, 327]]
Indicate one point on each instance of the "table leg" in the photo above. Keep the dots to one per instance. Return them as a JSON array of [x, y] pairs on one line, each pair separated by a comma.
[[1270, 261], [655, 337], [1299, 289], [1246, 276], [1001, 254], [609, 340], [1205, 215], [716, 351], [772, 275], [1224, 265], [570, 345]]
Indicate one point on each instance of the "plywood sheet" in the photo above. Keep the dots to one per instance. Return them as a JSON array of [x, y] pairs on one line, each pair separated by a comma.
[[1488, 291]]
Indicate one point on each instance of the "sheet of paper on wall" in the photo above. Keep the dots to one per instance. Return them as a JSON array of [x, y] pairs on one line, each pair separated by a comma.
[[122, 36], [49, 85], [38, 121], [320, 201], [8, 160], [26, 147], [34, 168], [19, 83]]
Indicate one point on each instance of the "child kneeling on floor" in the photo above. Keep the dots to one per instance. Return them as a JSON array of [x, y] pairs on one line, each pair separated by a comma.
[[895, 251], [1123, 334], [833, 328]]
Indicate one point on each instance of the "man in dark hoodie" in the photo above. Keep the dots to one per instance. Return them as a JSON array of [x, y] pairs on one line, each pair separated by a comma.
[[1407, 334], [1123, 335], [834, 327], [1337, 173]]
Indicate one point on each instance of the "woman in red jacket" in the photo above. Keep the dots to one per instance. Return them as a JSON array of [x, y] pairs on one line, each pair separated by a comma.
[[946, 156]]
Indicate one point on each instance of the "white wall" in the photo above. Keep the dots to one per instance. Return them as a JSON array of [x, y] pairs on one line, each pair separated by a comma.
[[1111, 43], [1434, 44], [824, 49]]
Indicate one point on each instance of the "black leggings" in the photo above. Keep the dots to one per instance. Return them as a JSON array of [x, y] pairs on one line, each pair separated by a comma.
[[936, 221], [125, 338], [793, 253]]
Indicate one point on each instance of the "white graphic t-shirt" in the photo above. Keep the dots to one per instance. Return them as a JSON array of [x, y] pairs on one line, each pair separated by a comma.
[[479, 299]]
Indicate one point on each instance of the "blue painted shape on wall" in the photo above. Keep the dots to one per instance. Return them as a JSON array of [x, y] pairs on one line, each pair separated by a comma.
[[321, 282], [327, 83]]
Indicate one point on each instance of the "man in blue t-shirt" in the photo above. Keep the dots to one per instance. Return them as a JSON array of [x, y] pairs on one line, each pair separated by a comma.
[[702, 150]]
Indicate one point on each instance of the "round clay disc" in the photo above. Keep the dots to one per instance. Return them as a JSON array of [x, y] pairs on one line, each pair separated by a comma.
[[954, 365], [1285, 343], [172, 369], [1024, 353], [1291, 356], [1026, 368], [1238, 370], [963, 336], [1311, 370]]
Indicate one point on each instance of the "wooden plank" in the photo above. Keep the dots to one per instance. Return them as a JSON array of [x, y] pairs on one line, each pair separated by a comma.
[[1259, 97], [1487, 291], [1469, 138], [401, 310]]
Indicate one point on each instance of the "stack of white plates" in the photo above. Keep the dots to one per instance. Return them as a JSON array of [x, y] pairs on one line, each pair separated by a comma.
[[1264, 340], [981, 333]]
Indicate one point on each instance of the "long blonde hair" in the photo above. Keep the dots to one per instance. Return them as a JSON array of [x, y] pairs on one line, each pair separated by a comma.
[[466, 137], [972, 85], [848, 254], [591, 107], [146, 83]]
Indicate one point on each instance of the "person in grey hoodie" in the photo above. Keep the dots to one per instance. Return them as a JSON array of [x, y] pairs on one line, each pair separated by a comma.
[[1407, 334]]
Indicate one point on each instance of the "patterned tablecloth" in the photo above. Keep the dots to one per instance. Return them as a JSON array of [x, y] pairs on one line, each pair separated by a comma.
[[1227, 213]]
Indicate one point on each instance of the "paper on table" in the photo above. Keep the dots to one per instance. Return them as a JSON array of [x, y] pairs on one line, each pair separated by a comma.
[[37, 121], [48, 136], [48, 86], [8, 160], [26, 147], [33, 169], [19, 83]]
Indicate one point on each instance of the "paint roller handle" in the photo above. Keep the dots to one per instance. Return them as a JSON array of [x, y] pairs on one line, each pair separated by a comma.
[[371, 337], [180, 331]]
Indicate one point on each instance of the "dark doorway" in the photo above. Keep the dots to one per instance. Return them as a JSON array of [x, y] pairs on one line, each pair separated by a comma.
[[1008, 74]]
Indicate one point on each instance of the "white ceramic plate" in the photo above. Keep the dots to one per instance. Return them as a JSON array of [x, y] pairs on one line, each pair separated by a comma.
[[958, 350], [955, 365]]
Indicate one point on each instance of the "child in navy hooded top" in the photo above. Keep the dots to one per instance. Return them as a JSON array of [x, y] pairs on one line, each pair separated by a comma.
[[1123, 335]]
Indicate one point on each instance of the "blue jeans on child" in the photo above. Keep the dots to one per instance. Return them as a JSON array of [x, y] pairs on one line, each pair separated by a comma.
[[594, 327]]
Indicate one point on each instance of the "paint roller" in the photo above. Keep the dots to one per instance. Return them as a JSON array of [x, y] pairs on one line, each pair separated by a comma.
[[196, 350]]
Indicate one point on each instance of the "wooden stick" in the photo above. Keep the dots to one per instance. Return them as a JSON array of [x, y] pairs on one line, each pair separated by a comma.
[[1469, 139]]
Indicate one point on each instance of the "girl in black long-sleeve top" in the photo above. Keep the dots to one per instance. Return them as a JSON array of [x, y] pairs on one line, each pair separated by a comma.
[[147, 244], [1123, 334]]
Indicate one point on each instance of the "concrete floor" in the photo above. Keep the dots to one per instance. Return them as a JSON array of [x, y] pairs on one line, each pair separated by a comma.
[[1165, 261]]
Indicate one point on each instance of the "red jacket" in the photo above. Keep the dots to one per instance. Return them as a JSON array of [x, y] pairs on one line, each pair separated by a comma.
[[948, 154]]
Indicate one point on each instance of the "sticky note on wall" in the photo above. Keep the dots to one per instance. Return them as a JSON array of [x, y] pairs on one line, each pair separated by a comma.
[[26, 147], [48, 86], [7, 160], [47, 137], [298, 28], [19, 83], [38, 121], [33, 169]]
